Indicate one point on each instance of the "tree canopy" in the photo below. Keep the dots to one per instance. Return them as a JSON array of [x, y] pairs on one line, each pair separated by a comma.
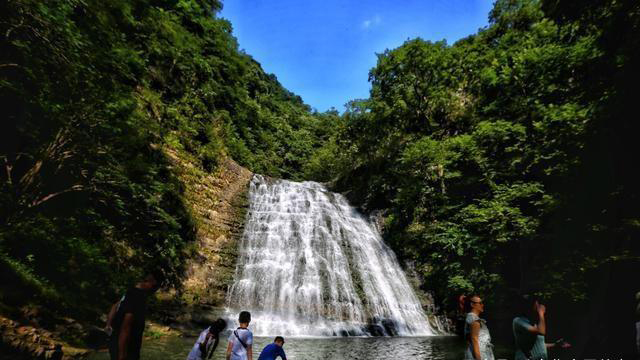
[[93, 92], [503, 163]]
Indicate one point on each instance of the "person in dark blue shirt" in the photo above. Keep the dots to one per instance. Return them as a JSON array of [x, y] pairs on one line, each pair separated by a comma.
[[273, 350]]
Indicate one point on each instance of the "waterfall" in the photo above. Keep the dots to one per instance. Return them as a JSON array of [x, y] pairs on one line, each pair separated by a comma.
[[310, 265]]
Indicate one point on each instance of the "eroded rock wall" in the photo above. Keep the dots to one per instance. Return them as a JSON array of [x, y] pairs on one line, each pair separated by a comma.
[[218, 202]]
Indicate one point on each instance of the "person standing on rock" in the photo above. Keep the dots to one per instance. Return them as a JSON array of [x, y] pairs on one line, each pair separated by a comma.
[[207, 341], [126, 320], [241, 340]]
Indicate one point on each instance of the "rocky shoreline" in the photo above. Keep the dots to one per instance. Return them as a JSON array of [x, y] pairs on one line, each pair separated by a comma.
[[20, 341]]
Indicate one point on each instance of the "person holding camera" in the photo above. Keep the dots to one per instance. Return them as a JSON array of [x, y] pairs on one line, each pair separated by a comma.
[[529, 330]]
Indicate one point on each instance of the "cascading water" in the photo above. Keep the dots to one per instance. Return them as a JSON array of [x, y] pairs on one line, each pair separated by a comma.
[[311, 265]]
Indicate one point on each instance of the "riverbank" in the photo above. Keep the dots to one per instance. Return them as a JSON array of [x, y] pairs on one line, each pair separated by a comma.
[[21, 341]]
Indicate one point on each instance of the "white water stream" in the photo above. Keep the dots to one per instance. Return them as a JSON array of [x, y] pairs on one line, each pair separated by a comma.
[[311, 265]]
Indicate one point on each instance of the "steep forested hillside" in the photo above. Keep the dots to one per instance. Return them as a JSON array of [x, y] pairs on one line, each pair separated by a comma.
[[504, 162], [93, 93]]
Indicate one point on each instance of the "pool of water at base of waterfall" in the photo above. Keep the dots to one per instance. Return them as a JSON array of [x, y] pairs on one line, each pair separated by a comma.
[[335, 348]]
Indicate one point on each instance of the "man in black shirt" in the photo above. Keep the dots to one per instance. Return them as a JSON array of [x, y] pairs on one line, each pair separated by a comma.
[[126, 320]]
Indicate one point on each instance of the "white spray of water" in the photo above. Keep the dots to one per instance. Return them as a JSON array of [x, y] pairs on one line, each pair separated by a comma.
[[311, 265]]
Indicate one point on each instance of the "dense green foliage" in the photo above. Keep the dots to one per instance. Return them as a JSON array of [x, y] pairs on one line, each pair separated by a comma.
[[504, 162], [92, 94]]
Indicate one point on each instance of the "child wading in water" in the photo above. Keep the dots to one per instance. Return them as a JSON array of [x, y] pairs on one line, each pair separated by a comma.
[[241, 340], [273, 350]]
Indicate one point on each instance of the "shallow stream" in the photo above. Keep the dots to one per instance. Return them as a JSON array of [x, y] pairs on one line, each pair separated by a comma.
[[334, 348]]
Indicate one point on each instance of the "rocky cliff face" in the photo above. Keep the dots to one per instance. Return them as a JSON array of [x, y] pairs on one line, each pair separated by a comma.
[[218, 202]]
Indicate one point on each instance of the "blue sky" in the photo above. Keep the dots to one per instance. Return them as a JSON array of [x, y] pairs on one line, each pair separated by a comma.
[[323, 50]]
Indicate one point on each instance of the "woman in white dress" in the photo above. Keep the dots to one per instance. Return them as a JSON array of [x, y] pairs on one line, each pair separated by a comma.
[[476, 333]]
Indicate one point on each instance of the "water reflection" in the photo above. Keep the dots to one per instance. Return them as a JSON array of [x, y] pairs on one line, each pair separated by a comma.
[[433, 348], [378, 348]]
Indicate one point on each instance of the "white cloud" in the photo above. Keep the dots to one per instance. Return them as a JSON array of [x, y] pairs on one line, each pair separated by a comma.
[[371, 22]]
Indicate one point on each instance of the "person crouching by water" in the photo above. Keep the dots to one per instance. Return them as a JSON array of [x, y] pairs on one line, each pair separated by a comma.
[[241, 340], [207, 341], [125, 322], [530, 328], [476, 333], [273, 350]]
